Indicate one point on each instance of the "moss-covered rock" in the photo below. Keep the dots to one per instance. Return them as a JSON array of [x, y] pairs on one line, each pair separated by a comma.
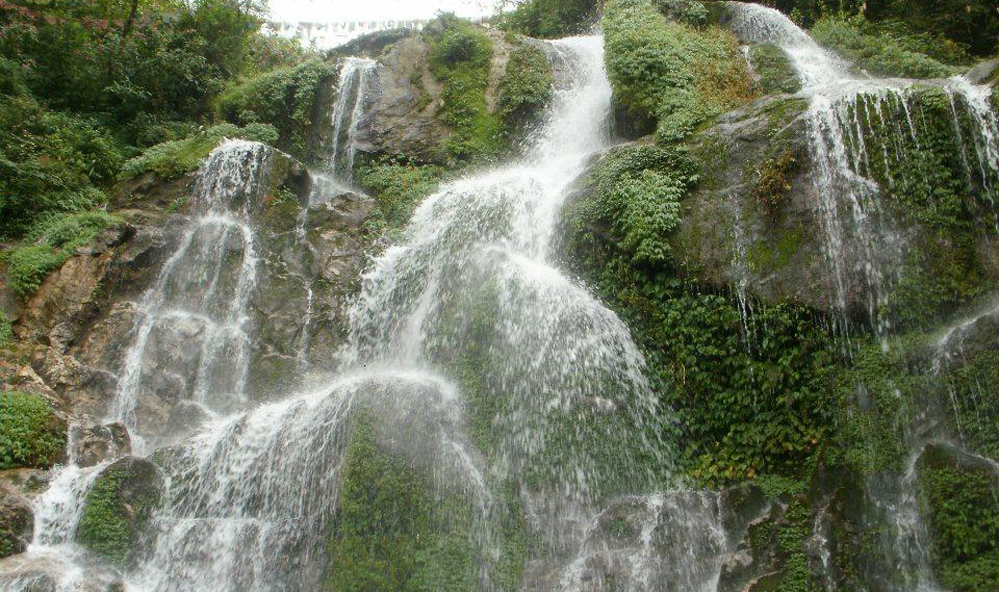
[[31, 434], [396, 529], [118, 509], [772, 70]]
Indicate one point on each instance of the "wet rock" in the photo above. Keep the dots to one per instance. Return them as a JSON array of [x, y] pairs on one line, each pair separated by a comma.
[[185, 418], [16, 522], [118, 509], [984, 72], [94, 445]]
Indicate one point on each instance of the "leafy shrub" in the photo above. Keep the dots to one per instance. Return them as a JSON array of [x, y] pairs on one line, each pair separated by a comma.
[[691, 12], [30, 433], [6, 331], [887, 50], [56, 237], [459, 58], [674, 73], [527, 86], [28, 266], [637, 192], [773, 70], [398, 187], [171, 160], [49, 162], [549, 19], [287, 98]]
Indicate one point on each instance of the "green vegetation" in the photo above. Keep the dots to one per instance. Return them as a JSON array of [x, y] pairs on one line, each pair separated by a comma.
[[6, 331], [460, 55], [773, 70], [772, 180], [962, 508], [49, 163], [174, 159], [287, 98], [54, 239], [550, 19], [30, 433], [889, 49], [118, 508], [748, 403], [527, 86], [396, 529], [398, 186], [675, 74]]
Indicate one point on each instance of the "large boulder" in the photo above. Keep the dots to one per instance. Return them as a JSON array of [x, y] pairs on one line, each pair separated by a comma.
[[118, 509]]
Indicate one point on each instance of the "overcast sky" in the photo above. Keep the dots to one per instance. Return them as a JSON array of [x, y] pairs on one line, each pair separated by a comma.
[[360, 10]]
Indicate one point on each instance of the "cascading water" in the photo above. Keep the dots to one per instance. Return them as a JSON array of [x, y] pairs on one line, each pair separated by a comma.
[[191, 340], [357, 75], [860, 237], [562, 411], [864, 246]]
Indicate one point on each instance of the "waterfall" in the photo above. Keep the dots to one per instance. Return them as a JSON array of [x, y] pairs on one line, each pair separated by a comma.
[[191, 340], [860, 237], [564, 415], [357, 75]]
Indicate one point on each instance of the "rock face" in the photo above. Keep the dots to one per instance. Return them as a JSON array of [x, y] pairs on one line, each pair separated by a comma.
[[75, 333], [16, 522], [94, 445], [118, 509]]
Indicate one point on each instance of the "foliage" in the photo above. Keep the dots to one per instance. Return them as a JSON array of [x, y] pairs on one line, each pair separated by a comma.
[[30, 433], [772, 180], [887, 49], [550, 19], [118, 508], [962, 513], [773, 70], [49, 163], [752, 395], [459, 57], [929, 177], [678, 75], [103, 527], [398, 186], [171, 160], [692, 12], [54, 240], [287, 98], [168, 61], [976, 411], [637, 191], [527, 86], [29, 265], [6, 331], [395, 529]]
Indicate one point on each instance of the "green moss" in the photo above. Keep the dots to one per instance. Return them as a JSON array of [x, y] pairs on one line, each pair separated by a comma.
[[104, 528], [460, 57], [172, 160], [118, 508], [970, 389], [888, 49], [526, 87], [763, 255], [398, 186], [287, 98], [791, 539], [30, 433], [773, 70], [396, 530], [678, 75]]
